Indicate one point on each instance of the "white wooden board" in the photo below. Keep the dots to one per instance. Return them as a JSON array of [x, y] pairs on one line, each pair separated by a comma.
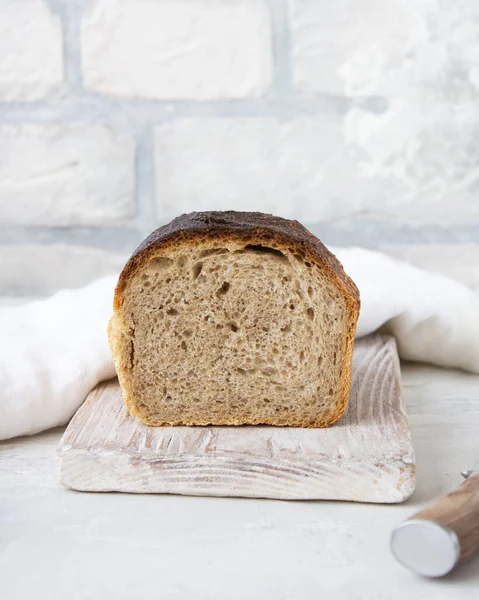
[[366, 456]]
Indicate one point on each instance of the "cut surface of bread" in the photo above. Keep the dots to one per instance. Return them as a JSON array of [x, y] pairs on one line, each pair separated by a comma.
[[234, 318]]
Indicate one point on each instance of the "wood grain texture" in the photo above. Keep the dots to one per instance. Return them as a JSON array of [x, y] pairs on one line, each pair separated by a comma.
[[367, 456], [458, 511]]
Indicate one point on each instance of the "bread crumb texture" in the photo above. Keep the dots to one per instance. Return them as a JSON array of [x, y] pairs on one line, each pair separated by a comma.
[[228, 331]]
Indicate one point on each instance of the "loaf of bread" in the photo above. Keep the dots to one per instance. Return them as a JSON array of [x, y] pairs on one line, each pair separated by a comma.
[[232, 318]]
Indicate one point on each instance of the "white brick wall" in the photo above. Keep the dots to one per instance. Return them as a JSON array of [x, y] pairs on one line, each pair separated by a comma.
[[358, 117], [65, 175], [420, 155], [170, 49], [30, 50], [295, 168], [305, 168], [386, 47], [365, 39]]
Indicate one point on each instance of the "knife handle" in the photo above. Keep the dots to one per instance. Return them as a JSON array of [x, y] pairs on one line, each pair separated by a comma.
[[442, 535]]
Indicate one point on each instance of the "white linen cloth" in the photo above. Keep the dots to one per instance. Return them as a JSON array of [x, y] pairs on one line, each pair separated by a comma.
[[54, 351]]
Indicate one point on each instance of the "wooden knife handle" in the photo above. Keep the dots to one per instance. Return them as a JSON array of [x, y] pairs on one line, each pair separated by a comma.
[[442, 535], [459, 512]]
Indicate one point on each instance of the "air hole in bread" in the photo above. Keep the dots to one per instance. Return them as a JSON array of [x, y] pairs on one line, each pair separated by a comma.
[[132, 352], [172, 312], [268, 249], [223, 289], [160, 263], [213, 252], [197, 267], [310, 313], [181, 261], [233, 327]]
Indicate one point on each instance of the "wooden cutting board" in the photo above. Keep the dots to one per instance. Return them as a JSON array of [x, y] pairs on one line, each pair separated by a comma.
[[366, 456]]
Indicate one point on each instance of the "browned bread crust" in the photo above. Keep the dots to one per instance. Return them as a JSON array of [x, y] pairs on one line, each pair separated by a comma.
[[244, 225], [248, 227]]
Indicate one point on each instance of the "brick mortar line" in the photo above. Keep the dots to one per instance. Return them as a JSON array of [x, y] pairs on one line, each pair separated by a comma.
[[89, 105], [281, 47], [119, 239], [70, 19], [145, 183]]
